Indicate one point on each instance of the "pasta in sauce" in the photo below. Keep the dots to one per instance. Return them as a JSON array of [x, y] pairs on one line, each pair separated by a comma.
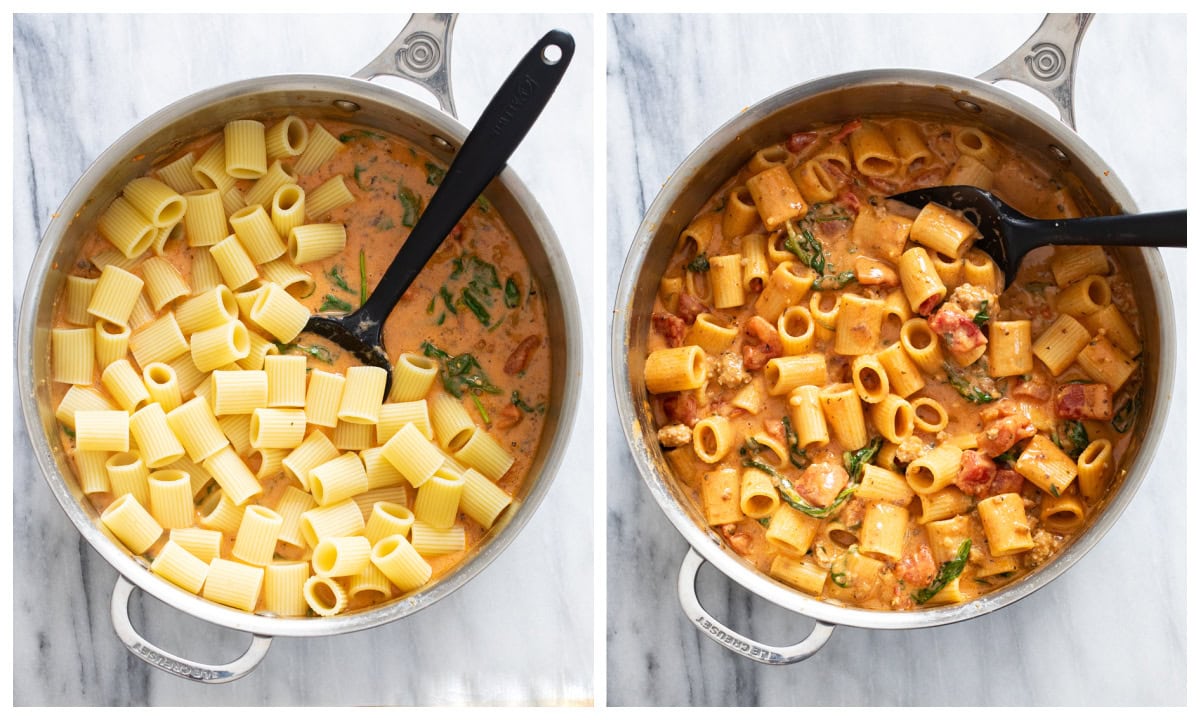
[[256, 465], [850, 396]]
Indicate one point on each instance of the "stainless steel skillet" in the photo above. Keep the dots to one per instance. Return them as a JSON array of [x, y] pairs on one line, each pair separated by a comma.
[[1045, 62], [419, 54]]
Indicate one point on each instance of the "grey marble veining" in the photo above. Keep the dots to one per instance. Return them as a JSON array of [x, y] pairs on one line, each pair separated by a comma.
[[1109, 631], [520, 633]]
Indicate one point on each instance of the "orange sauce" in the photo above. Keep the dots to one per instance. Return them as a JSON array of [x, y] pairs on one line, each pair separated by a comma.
[[1018, 181], [391, 182]]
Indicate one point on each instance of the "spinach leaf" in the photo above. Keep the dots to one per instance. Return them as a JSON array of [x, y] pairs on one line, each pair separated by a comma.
[[958, 381], [982, 316], [1076, 436], [512, 294], [459, 372], [835, 282], [796, 454], [521, 404], [805, 247], [335, 276], [362, 278], [698, 263], [434, 174], [413, 206], [335, 303], [318, 352], [946, 573], [359, 134], [857, 460]]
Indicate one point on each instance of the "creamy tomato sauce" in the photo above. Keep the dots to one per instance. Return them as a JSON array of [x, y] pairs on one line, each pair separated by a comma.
[[475, 297], [981, 409]]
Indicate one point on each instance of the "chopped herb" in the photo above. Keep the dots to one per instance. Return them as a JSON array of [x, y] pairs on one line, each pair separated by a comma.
[[434, 174], [698, 263], [835, 282], [483, 203], [356, 134], [335, 303], [804, 246], [1054, 490], [512, 294], [335, 276], [459, 372], [982, 581], [412, 206], [1128, 412], [362, 277], [946, 573], [982, 316], [70, 433], [1076, 436], [482, 412], [765, 521], [959, 382], [383, 222], [796, 454], [856, 461], [441, 318], [358, 176], [516, 400]]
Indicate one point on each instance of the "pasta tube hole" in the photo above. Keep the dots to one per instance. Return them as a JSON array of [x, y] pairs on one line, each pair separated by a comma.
[[287, 196]]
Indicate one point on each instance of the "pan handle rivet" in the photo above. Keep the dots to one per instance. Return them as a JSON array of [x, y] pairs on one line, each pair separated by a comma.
[[442, 143], [347, 106], [1059, 155], [968, 106]]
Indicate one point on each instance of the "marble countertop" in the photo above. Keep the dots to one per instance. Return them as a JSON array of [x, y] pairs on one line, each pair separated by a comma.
[[1111, 631], [521, 632]]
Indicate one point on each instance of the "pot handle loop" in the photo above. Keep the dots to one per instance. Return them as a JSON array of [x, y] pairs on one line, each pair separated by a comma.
[[180, 667], [421, 54], [1046, 61], [744, 646]]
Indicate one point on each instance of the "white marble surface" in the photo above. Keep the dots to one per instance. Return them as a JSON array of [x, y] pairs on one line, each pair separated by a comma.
[[519, 633], [1109, 631]]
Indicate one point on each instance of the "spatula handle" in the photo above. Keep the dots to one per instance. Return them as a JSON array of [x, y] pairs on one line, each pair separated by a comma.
[[1161, 229], [501, 127]]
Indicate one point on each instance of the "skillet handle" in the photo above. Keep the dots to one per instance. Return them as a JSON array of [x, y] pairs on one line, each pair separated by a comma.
[[1046, 61], [421, 54], [740, 644], [173, 664]]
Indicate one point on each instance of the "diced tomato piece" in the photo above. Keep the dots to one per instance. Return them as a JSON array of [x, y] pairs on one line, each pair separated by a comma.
[[957, 328], [797, 142], [820, 483], [975, 473], [689, 307], [917, 568], [1084, 400], [670, 326], [846, 130]]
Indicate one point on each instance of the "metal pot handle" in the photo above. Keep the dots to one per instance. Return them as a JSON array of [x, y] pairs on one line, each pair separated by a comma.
[[421, 54], [744, 646], [180, 667], [1046, 61]]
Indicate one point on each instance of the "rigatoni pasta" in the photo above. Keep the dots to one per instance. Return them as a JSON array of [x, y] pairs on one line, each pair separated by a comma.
[[876, 419], [190, 402]]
